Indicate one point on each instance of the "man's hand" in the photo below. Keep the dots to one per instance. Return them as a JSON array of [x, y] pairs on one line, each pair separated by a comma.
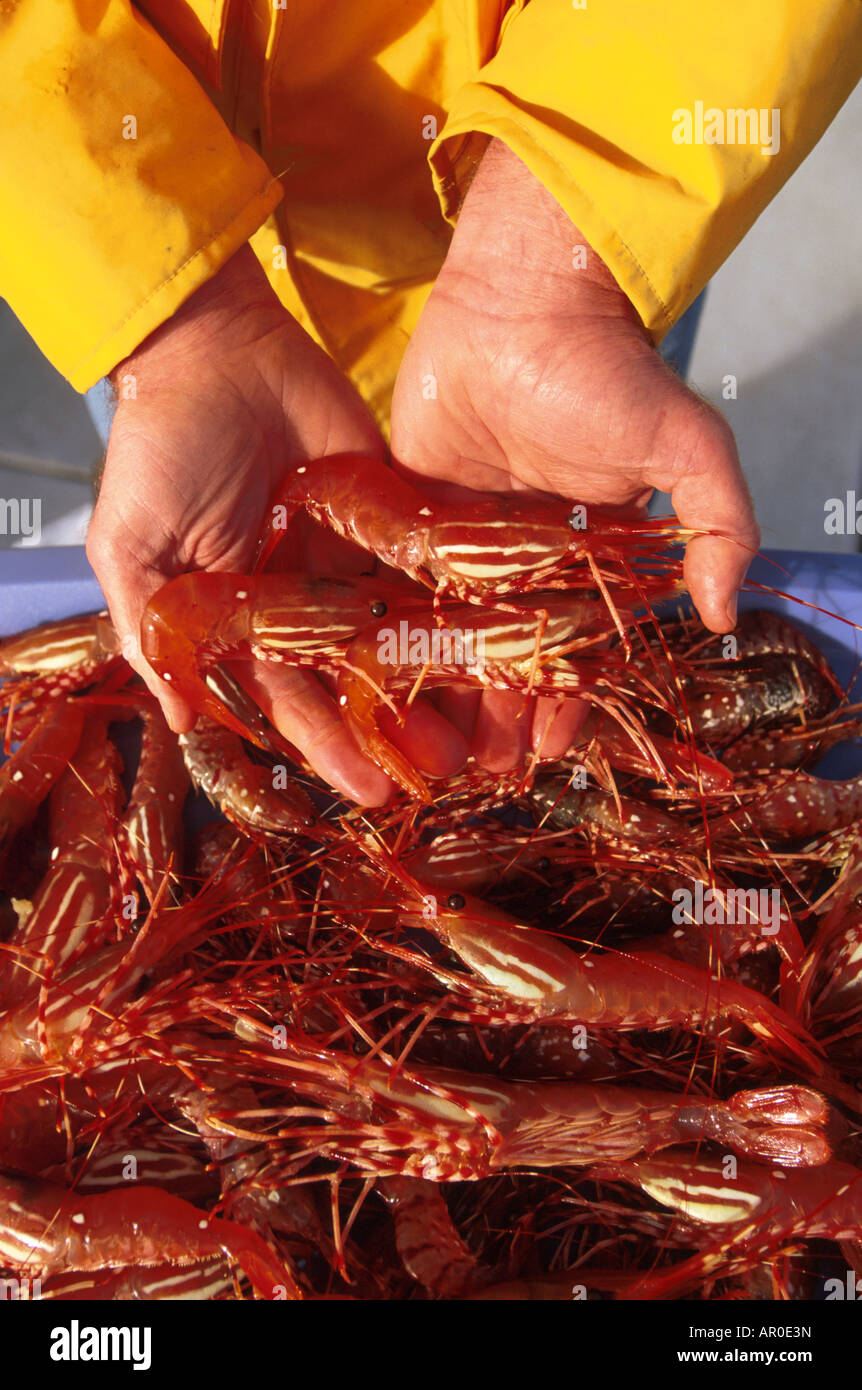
[[545, 379], [229, 395]]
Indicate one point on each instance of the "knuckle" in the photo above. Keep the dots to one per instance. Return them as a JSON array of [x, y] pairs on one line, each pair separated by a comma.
[[700, 437], [710, 427], [99, 546]]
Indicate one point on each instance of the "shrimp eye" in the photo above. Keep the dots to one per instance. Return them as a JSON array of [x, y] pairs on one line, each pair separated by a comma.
[[543, 865], [379, 608], [455, 902]]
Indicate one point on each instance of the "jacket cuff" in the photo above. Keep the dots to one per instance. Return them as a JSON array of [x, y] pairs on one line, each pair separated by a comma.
[[123, 188], [157, 305], [595, 100]]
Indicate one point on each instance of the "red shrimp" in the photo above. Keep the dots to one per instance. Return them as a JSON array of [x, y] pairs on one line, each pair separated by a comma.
[[46, 1229], [57, 658], [28, 775], [198, 619], [450, 1126], [797, 806], [80, 893], [430, 1247], [521, 648], [153, 819], [207, 1279], [245, 792], [530, 977], [756, 1210]]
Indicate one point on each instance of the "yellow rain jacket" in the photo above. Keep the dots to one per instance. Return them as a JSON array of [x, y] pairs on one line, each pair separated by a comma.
[[142, 144]]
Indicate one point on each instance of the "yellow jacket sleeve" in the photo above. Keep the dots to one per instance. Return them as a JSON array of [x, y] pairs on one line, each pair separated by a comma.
[[121, 187], [663, 130]]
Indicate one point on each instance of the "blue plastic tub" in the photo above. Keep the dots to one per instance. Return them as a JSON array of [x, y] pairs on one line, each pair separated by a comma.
[[37, 585]]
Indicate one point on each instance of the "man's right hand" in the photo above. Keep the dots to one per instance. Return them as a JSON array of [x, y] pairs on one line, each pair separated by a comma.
[[217, 406]]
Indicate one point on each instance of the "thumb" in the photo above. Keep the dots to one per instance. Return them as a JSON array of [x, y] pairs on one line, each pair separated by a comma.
[[710, 494]]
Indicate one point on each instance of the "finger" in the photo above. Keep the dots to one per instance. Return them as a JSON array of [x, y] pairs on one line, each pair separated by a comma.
[[460, 706], [710, 494], [555, 724], [502, 733], [295, 702], [714, 572], [427, 739], [179, 714], [128, 586], [425, 736]]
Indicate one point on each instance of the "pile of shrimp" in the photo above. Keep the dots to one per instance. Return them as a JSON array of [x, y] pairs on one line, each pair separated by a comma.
[[590, 1030]]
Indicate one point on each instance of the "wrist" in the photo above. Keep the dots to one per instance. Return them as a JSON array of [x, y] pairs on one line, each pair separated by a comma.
[[514, 240], [217, 311]]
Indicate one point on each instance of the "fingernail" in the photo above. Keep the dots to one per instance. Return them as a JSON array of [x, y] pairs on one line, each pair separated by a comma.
[[731, 611]]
